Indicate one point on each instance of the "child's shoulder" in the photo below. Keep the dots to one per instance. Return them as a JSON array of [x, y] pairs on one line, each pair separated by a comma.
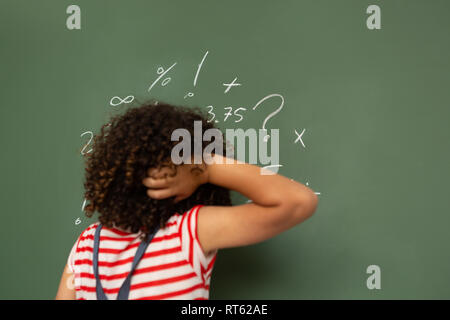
[[174, 221], [177, 218], [90, 229]]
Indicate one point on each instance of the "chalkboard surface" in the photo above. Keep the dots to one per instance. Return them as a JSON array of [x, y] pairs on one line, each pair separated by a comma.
[[363, 115]]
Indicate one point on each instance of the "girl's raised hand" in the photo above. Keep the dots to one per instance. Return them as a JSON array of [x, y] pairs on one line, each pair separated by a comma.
[[175, 181]]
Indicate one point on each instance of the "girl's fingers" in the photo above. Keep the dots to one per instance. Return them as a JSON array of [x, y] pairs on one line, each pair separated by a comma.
[[156, 183], [163, 172], [160, 193]]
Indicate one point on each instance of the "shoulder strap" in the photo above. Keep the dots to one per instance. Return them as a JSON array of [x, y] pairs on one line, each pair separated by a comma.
[[124, 290]]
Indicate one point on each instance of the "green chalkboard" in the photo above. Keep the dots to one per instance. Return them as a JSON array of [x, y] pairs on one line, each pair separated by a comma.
[[365, 122]]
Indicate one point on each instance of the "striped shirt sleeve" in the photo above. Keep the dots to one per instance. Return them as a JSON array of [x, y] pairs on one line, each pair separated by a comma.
[[191, 247], [71, 259]]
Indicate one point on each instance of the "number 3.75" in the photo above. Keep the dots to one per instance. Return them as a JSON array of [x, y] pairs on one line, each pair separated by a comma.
[[230, 112]]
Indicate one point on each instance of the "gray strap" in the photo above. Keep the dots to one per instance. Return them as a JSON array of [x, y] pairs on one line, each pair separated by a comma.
[[124, 290]]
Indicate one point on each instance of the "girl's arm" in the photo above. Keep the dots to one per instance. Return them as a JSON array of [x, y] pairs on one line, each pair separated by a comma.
[[277, 203], [66, 289]]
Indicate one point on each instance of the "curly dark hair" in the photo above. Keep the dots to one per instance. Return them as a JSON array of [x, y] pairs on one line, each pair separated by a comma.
[[123, 152]]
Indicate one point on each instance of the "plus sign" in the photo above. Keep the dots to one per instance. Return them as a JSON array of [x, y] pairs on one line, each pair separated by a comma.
[[232, 84]]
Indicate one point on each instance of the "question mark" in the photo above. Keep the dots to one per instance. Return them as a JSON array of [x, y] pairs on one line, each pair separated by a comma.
[[273, 113]]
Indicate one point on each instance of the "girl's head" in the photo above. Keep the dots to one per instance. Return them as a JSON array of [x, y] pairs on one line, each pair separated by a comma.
[[124, 151]]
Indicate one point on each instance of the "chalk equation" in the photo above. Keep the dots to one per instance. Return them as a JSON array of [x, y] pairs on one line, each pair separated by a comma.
[[215, 114], [115, 101], [161, 72], [230, 85], [299, 137], [91, 134]]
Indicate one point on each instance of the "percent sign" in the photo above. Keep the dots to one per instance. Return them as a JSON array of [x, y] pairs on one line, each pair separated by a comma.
[[162, 73]]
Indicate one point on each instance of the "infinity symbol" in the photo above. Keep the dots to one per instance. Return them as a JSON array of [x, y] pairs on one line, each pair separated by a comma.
[[126, 100]]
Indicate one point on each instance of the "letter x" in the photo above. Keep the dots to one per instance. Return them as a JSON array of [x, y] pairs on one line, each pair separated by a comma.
[[299, 137]]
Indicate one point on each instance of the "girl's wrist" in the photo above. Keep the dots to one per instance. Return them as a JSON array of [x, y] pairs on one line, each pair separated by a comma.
[[200, 173], [217, 166], [205, 176]]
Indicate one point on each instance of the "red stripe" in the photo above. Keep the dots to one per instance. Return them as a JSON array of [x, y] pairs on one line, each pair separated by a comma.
[[108, 250], [130, 259], [181, 224], [89, 228], [174, 293], [128, 239], [117, 231], [93, 226], [162, 267], [169, 224], [130, 246], [124, 233], [207, 273], [165, 237], [211, 263], [196, 221], [91, 289], [91, 237], [203, 270], [78, 243], [163, 281], [143, 285], [137, 271], [191, 241]]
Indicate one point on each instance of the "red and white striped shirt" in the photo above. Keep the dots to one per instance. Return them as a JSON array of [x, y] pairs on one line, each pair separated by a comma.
[[174, 265]]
